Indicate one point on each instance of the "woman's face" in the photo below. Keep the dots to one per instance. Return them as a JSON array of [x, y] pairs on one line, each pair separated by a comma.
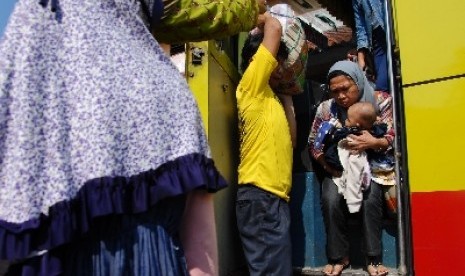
[[344, 90]]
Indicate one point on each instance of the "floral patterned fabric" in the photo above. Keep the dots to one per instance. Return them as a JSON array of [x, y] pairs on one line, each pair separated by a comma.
[[86, 94]]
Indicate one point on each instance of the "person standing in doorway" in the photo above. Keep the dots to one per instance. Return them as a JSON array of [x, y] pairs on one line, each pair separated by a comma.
[[370, 30], [267, 135], [348, 85]]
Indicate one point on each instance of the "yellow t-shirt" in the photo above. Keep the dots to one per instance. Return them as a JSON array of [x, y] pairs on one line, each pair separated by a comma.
[[265, 140]]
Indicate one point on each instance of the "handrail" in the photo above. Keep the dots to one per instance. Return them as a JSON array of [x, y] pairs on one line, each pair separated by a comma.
[[402, 269]]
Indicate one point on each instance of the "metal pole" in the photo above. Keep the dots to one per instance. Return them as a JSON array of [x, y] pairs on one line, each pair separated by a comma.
[[402, 269]]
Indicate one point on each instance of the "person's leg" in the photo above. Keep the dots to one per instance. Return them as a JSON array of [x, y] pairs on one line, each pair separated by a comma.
[[380, 59], [335, 218], [372, 214], [198, 234], [263, 221]]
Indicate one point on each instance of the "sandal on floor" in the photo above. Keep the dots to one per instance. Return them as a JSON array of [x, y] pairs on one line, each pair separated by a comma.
[[377, 269], [335, 268]]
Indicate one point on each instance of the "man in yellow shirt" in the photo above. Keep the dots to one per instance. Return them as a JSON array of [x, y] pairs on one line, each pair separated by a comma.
[[267, 135]]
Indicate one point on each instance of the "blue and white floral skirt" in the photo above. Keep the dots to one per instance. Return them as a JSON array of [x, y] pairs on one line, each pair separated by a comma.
[[95, 123]]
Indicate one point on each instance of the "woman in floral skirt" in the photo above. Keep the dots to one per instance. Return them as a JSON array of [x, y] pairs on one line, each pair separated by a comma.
[[105, 167]]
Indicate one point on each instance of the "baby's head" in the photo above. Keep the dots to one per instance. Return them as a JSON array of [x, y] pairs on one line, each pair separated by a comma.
[[361, 115]]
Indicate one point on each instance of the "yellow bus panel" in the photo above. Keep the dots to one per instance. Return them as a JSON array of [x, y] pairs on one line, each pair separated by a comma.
[[435, 135], [431, 38]]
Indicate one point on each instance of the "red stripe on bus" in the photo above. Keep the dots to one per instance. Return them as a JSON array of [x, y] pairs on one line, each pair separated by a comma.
[[438, 223]]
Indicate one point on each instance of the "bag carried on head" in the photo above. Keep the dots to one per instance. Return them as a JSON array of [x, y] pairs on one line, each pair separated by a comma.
[[198, 20], [293, 77]]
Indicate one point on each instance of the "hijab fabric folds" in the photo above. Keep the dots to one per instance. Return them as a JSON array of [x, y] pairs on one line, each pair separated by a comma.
[[352, 70]]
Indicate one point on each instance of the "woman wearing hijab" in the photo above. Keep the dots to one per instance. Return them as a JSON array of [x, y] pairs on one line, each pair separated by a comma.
[[348, 85], [105, 167]]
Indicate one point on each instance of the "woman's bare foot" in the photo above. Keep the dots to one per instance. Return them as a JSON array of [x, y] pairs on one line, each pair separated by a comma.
[[328, 270], [336, 268], [377, 270]]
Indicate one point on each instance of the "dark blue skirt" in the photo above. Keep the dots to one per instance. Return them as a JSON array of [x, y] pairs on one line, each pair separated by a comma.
[[142, 244]]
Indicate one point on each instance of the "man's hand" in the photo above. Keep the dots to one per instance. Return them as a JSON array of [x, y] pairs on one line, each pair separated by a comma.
[[274, 2], [261, 20], [261, 6]]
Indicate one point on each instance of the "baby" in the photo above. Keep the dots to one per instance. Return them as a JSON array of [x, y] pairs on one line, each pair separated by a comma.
[[360, 116], [358, 168]]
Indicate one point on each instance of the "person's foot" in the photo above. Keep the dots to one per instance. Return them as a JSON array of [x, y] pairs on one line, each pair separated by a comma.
[[339, 267], [336, 268], [328, 269], [377, 270]]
